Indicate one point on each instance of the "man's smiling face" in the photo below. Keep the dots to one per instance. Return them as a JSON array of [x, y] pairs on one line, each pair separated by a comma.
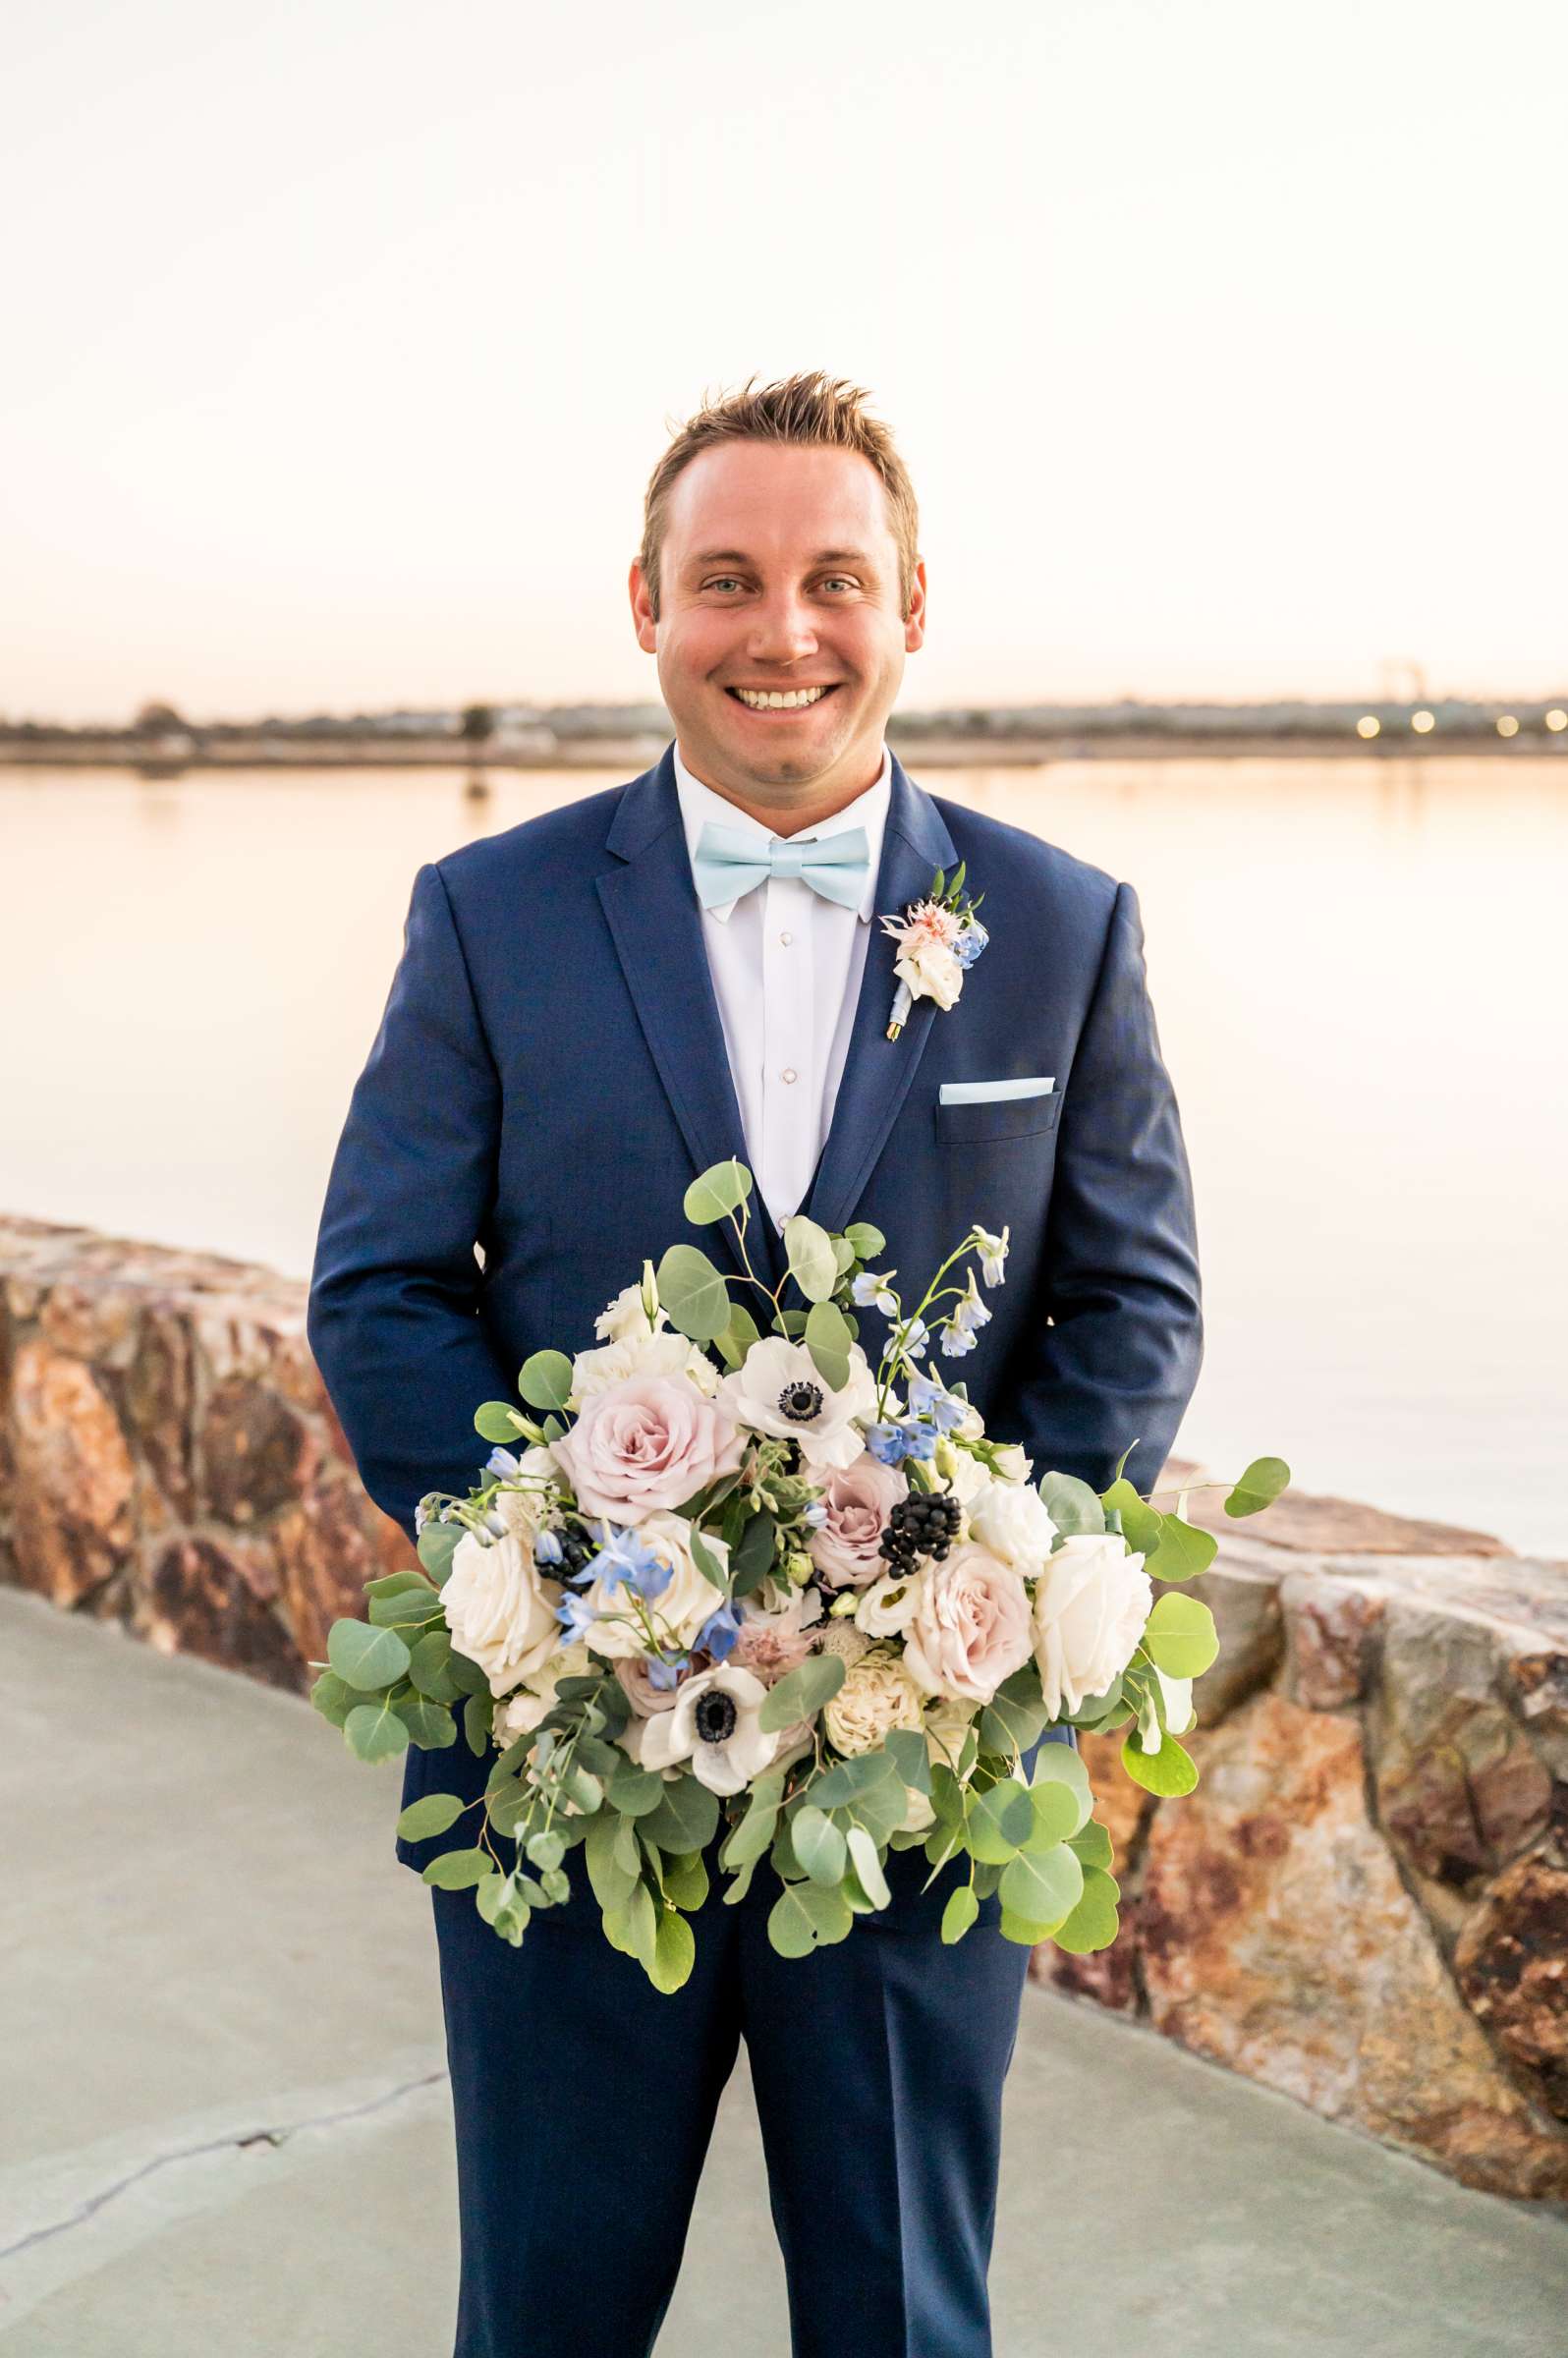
[[778, 577]]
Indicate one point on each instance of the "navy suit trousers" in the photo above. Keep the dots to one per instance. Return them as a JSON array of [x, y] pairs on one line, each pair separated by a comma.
[[584, 2101]]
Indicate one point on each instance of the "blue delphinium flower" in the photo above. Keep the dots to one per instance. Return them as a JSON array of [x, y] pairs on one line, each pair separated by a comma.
[[547, 1547], [502, 1462], [970, 943], [871, 1290], [719, 1633], [625, 1557], [885, 1443], [576, 1616], [927, 1398], [663, 1674]]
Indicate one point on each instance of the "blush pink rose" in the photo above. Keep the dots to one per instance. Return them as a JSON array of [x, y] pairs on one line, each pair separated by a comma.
[[645, 1446], [858, 1501], [973, 1627]]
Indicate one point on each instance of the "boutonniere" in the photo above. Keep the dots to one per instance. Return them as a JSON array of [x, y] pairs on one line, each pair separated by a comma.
[[939, 938]]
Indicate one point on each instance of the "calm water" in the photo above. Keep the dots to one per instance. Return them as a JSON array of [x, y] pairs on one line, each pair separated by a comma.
[[1358, 971]]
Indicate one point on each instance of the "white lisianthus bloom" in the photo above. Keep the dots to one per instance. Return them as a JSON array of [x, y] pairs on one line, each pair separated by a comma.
[[1090, 1603], [877, 1696], [1013, 1522], [1177, 1696], [887, 1608], [1012, 1463], [523, 1710], [716, 1726], [642, 1353], [967, 1478], [679, 1611], [777, 1390], [627, 1316], [499, 1609]]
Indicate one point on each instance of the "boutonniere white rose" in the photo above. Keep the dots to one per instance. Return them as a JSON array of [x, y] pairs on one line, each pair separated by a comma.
[[939, 938]]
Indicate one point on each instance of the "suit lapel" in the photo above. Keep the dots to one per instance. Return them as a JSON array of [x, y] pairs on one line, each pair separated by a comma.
[[878, 1071], [656, 921]]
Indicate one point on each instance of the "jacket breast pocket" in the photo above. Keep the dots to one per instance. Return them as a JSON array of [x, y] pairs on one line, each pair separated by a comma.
[[986, 1121]]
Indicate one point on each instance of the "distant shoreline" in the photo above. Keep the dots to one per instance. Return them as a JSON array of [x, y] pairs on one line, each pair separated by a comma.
[[634, 753]]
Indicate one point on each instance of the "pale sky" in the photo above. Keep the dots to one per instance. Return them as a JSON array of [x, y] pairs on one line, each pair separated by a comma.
[[1227, 344]]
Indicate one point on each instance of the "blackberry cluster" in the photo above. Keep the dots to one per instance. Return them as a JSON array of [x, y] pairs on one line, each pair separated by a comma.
[[575, 1551], [924, 1524]]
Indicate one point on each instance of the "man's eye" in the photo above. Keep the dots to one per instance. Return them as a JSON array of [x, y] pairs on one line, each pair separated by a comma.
[[838, 576], [723, 580]]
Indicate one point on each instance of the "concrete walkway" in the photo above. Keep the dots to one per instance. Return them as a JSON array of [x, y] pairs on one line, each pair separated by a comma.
[[226, 2129]]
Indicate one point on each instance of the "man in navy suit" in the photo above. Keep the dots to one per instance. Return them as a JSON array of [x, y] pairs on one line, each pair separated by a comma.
[[573, 1032]]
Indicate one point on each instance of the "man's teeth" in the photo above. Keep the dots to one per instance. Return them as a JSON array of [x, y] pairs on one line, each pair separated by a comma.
[[774, 699]]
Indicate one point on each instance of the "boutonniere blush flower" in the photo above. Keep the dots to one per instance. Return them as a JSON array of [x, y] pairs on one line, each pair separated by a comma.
[[938, 940]]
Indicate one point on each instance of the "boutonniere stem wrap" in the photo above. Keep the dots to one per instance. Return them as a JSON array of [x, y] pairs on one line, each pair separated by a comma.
[[938, 940]]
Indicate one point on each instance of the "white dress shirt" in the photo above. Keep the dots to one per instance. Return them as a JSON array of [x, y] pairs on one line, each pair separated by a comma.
[[786, 967]]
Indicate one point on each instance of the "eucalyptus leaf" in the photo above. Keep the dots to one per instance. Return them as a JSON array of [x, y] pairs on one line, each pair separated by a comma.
[[868, 1866], [431, 1726], [808, 1249], [1041, 1885], [545, 1380], [1071, 1504], [497, 1420], [1184, 1550], [674, 1953], [685, 1819], [333, 1698], [366, 1658], [431, 1667], [1092, 1843], [736, 1338], [818, 1845], [715, 1192], [911, 1757], [375, 1732], [1179, 1636], [694, 1293], [1091, 1923], [1141, 1524], [802, 1692], [998, 1822], [805, 1917], [477, 1713], [432, 1814], [459, 1870], [752, 1556], [706, 1562], [1259, 1487], [827, 1339], [437, 1546], [1169, 1772], [959, 1914], [867, 1238]]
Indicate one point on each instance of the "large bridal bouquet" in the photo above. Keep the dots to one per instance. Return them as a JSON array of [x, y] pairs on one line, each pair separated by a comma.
[[779, 1586]]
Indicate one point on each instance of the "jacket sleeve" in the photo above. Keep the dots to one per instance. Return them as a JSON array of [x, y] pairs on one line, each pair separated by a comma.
[[1118, 1340], [393, 1318]]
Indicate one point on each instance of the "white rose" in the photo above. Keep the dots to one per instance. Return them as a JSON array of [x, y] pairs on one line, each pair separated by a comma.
[[680, 1612], [1013, 1523], [522, 1712], [887, 1608], [777, 1390], [1090, 1603], [500, 1611], [877, 1695]]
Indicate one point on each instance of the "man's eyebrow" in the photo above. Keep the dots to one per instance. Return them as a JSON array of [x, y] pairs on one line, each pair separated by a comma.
[[823, 556]]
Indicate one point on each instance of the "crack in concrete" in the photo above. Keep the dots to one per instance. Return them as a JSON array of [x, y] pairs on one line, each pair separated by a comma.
[[238, 2141]]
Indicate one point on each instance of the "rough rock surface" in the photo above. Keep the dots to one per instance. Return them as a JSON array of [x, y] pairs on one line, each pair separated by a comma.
[[168, 1455]]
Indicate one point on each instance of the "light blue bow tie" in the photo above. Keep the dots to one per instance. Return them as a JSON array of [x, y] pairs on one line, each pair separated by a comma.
[[727, 864]]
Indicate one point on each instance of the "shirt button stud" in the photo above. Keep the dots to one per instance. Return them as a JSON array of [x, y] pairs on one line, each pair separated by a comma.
[[786, 939], [788, 1074]]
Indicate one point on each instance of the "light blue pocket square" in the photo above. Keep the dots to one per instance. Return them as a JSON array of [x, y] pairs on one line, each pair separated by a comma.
[[974, 1092]]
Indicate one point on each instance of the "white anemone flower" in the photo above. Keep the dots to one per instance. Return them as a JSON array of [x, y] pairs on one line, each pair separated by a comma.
[[777, 1390], [716, 1726]]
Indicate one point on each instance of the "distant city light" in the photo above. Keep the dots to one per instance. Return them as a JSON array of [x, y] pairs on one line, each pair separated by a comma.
[[1421, 722], [1368, 725], [1557, 719], [1507, 726]]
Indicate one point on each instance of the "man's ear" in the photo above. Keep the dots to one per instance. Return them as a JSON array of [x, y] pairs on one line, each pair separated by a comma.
[[642, 611], [914, 625]]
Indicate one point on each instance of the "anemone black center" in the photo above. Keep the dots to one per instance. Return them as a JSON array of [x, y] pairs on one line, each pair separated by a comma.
[[801, 1402], [715, 1716]]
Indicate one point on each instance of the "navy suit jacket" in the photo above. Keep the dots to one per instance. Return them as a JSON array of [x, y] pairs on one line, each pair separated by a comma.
[[551, 1073]]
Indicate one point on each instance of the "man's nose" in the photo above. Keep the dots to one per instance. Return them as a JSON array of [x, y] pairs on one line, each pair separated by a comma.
[[782, 632]]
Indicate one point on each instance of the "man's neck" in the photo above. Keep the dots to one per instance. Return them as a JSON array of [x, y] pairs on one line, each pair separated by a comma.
[[785, 819]]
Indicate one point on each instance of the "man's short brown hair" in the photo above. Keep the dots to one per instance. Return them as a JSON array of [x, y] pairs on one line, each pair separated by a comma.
[[809, 409]]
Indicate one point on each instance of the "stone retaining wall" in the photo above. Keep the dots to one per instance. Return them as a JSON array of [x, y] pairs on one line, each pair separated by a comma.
[[1365, 1904]]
